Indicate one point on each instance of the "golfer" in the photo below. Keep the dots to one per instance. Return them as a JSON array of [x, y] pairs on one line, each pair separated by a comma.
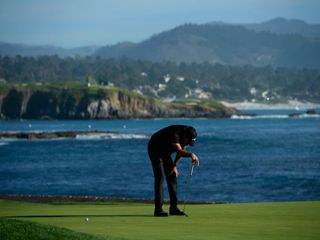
[[172, 139]]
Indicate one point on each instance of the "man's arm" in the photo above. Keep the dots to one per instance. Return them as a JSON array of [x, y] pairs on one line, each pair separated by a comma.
[[179, 155], [182, 152]]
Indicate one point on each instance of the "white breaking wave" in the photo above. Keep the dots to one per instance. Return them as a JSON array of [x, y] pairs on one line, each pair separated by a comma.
[[77, 136], [280, 116], [292, 104], [309, 116], [3, 143], [93, 136], [259, 117]]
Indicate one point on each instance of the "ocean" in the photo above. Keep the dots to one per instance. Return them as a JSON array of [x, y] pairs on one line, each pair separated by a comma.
[[267, 158]]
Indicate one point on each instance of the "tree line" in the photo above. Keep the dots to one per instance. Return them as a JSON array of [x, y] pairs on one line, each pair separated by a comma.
[[221, 81]]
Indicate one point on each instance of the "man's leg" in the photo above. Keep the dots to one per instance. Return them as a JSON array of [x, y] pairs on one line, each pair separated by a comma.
[[172, 187], [171, 181], [158, 182]]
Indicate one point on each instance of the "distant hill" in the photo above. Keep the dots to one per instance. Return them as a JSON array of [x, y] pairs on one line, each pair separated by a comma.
[[287, 26], [221, 43], [11, 50], [278, 42], [279, 26]]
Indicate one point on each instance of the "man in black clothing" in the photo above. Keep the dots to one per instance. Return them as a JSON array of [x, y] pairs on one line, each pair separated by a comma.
[[162, 144]]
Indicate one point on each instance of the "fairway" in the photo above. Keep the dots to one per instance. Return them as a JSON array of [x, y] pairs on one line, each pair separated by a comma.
[[290, 220]]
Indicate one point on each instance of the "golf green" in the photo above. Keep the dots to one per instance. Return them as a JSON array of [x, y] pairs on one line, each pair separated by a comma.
[[284, 220]]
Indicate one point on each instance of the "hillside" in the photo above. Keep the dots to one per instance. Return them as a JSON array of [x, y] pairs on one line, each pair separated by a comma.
[[287, 26], [168, 80], [224, 44], [279, 42], [81, 102]]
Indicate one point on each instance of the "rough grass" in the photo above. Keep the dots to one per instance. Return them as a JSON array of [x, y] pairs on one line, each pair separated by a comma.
[[292, 220]]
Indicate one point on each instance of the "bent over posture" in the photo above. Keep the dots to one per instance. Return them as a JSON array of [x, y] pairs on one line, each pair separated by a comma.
[[162, 144]]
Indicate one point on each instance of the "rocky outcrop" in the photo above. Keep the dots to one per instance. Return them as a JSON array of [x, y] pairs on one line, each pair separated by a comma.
[[97, 104], [308, 113]]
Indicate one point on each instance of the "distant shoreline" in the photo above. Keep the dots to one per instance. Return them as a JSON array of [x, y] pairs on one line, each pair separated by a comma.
[[295, 105]]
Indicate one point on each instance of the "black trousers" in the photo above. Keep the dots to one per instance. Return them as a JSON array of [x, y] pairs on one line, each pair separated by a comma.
[[165, 163]]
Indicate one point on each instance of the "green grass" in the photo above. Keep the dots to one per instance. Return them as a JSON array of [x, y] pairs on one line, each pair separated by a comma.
[[211, 104], [11, 229], [292, 220], [77, 88]]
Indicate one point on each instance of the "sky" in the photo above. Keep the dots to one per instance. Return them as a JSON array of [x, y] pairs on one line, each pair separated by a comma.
[[75, 23]]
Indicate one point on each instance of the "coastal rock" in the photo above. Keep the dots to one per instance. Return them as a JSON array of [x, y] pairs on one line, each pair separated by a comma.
[[102, 104], [309, 112], [37, 135]]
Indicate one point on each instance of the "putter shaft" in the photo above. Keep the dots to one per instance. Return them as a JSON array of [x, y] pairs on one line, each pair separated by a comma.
[[188, 189], [191, 172]]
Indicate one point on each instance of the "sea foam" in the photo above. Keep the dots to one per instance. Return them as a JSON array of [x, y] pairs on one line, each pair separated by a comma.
[[97, 136]]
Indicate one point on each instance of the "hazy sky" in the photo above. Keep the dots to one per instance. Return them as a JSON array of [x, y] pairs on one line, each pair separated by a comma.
[[72, 23]]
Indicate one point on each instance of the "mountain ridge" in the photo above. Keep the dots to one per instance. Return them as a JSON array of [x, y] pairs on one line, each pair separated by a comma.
[[279, 42], [230, 45], [280, 25]]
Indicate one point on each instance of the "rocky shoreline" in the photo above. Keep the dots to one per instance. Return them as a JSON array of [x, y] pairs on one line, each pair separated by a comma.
[[311, 112], [46, 103]]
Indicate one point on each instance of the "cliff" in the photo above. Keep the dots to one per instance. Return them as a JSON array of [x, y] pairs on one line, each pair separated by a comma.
[[81, 102]]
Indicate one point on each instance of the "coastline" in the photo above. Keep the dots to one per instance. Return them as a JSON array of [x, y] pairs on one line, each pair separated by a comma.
[[291, 104]]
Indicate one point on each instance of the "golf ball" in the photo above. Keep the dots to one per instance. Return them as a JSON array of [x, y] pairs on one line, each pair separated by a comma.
[[87, 219]]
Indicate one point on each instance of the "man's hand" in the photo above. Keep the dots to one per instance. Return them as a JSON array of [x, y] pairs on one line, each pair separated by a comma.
[[195, 159], [175, 171]]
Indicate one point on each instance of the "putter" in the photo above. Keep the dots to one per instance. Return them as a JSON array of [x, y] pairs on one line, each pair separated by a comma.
[[186, 196]]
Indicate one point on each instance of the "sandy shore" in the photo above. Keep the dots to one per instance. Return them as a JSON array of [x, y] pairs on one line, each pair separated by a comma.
[[290, 105]]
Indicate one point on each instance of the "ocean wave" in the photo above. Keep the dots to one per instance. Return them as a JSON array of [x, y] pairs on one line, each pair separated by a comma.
[[3, 143], [280, 116], [97, 136], [305, 115], [259, 117], [78, 135]]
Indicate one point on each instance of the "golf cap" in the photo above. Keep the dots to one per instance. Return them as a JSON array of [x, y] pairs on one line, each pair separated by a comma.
[[192, 135]]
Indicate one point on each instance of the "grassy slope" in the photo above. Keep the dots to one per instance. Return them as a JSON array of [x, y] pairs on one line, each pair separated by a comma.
[[294, 220]]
